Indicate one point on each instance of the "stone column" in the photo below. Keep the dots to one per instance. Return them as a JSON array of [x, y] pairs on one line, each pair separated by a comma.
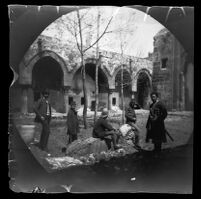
[[24, 98], [134, 88], [66, 95], [110, 91], [182, 105], [132, 94]]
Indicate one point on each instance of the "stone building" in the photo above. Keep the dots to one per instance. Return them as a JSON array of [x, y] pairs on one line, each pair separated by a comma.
[[55, 64], [169, 59]]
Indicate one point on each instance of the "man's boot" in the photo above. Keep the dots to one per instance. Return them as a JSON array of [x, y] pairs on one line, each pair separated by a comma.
[[136, 143], [114, 140]]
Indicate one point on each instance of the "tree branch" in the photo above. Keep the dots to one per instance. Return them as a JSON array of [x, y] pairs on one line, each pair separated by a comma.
[[80, 32], [101, 34]]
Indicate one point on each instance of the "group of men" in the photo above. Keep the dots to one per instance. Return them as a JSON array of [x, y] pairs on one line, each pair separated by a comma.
[[103, 129]]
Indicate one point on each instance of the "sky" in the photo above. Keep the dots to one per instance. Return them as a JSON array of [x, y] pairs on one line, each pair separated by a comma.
[[137, 40]]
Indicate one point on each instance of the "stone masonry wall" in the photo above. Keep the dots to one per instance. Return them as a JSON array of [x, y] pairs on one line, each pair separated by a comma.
[[167, 80]]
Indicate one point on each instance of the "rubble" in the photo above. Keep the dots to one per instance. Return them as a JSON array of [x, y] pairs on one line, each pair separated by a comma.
[[63, 162]]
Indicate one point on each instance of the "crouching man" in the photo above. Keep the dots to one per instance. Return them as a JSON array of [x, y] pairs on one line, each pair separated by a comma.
[[105, 131]]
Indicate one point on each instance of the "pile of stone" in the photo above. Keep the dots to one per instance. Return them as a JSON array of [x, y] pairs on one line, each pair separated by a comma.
[[58, 163], [83, 147], [88, 152], [97, 157]]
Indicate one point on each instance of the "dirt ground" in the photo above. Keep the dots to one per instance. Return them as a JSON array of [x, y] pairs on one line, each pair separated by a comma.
[[180, 126], [171, 172]]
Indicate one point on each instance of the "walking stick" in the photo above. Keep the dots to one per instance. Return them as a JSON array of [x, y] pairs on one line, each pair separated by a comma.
[[169, 135]]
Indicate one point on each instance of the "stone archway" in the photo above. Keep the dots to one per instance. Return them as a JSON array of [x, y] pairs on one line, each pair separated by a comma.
[[26, 66], [76, 93], [143, 89], [48, 74]]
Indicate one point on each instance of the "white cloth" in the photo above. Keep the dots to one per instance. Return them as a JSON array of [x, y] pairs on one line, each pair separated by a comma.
[[124, 129]]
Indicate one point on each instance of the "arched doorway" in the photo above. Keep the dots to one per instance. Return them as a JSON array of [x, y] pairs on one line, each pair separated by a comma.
[[143, 90], [127, 84], [47, 74], [77, 87]]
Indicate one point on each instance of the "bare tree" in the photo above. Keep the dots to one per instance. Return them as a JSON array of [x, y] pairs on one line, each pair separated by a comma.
[[76, 25], [123, 32], [97, 66], [80, 23]]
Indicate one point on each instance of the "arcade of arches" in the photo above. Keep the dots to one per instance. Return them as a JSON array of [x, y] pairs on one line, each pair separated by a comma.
[[47, 73], [50, 69]]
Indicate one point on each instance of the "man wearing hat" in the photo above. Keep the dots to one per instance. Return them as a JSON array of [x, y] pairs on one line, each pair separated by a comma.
[[104, 131], [72, 123], [43, 116]]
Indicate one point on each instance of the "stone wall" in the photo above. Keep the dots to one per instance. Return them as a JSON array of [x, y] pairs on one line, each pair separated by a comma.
[[168, 66], [69, 54]]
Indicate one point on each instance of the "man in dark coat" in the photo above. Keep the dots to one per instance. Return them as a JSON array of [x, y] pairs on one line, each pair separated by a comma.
[[72, 123], [105, 131], [155, 123], [131, 120], [43, 116]]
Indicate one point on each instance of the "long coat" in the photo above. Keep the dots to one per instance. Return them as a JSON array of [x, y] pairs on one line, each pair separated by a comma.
[[72, 122], [41, 110], [130, 115], [101, 127], [155, 123]]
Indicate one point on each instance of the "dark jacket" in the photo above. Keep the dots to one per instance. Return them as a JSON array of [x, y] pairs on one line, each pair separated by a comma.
[[155, 123], [72, 122], [130, 115], [40, 109], [100, 127]]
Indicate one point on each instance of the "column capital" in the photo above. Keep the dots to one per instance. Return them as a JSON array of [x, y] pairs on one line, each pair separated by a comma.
[[111, 90], [25, 86], [66, 88]]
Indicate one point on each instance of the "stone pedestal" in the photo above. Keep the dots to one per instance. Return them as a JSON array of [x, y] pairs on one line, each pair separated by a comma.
[[66, 95]]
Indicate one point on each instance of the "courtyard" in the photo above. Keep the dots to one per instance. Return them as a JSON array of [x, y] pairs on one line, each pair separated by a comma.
[[172, 165], [53, 60], [178, 124]]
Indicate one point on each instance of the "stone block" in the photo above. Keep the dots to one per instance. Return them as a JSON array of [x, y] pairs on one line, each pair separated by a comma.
[[85, 147]]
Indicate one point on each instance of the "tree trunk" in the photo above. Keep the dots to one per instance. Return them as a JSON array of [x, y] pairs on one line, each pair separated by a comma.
[[122, 94], [83, 72], [96, 94], [85, 93], [97, 65]]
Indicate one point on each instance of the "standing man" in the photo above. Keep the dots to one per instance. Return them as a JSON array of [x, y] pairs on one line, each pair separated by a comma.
[[105, 131], [155, 123], [43, 116], [72, 123], [131, 120]]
